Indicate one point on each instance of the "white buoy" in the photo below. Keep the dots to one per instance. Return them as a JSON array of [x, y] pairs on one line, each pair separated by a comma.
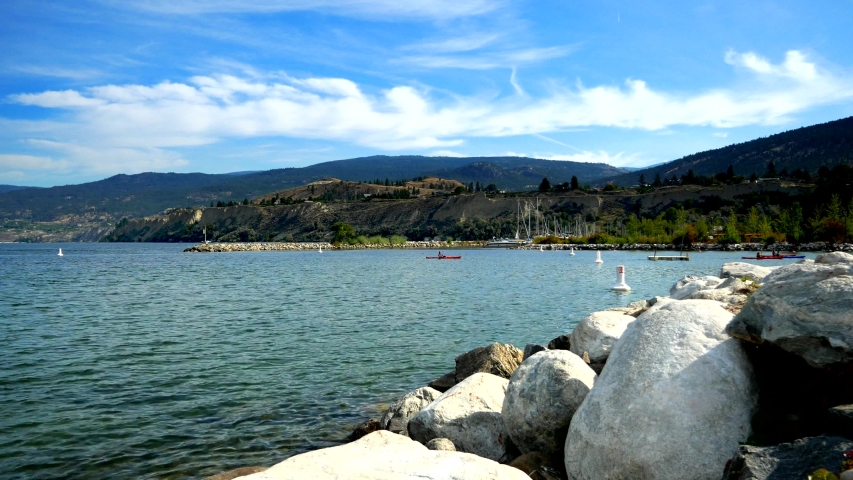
[[621, 286], [540, 248], [321, 249], [598, 257], [572, 253], [60, 253]]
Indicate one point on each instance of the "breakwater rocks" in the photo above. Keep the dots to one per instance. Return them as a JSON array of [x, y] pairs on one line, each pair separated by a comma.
[[287, 246], [727, 377]]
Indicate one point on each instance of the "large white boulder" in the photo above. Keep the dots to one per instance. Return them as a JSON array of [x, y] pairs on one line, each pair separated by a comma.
[[597, 333], [469, 414], [541, 398], [723, 295], [396, 419], [744, 270], [691, 284], [674, 401], [383, 455], [806, 309]]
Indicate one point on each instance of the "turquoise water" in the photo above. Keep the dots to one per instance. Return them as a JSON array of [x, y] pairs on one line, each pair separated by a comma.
[[140, 361]]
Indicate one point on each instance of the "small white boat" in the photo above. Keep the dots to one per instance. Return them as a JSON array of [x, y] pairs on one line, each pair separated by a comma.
[[60, 253]]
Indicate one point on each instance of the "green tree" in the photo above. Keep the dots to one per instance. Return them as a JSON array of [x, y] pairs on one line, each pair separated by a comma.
[[657, 182], [545, 185], [771, 171], [574, 182], [343, 232], [642, 180], [732, 232]]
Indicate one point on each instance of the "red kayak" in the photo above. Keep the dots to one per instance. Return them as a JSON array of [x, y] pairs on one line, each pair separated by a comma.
[[445, 257], [768, 257]]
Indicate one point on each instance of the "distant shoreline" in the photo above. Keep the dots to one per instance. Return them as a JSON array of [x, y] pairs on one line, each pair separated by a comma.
[[432, 245]]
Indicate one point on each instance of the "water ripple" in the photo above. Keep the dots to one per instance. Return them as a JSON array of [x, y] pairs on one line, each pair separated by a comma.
[[141, 361]]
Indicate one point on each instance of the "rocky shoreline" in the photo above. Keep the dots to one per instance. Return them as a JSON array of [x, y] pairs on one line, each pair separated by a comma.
[[444, 245], [745, 375]]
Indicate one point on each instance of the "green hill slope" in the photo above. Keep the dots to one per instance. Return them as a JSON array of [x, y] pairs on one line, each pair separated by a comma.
[[809, 148]]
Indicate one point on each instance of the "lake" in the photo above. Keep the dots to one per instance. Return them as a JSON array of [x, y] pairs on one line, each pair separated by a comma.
[[138, 360]]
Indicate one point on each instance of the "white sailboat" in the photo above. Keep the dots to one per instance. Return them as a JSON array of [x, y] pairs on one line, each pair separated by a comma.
[[60, 253]]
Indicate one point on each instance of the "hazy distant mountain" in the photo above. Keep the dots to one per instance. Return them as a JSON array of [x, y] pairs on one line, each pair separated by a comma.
[[10, 188], [149, 193], [809, 148]]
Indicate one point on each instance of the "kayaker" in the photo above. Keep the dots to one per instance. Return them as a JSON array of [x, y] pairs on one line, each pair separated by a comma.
[[758, 255]]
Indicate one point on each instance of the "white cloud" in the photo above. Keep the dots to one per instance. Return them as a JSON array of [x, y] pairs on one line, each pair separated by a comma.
[[454, 45], [488, 60], [58, 72], [446, 153], [514, 82], [133, 127], [89, 160], [796, 66], [56, 99], [438, 9], [30, 162], [617, 160]]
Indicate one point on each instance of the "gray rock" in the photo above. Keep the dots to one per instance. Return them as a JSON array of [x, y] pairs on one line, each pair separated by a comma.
[[843, 417], [722, 295], [396, 419], [532, 348], [384, 455], [444, 382], [691, 284], [744, 270], [236, 473], [469, 414], [541, 398], [533, 461], [363, 429], [674, 401], [806, 309], [733, 284], [834, 258], [441, 444], [498, 359], [563, 342], [789, 460], [598, 332]]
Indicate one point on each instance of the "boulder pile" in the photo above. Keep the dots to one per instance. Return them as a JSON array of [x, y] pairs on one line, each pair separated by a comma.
[[745, 375]]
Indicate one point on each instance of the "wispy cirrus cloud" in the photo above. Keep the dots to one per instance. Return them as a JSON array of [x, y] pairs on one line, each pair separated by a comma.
[[375, 9], [500, 58], [141, 123], [58, 72]]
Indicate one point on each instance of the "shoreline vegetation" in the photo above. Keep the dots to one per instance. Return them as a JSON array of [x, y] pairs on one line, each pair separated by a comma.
[[450, 244], [740, 349]]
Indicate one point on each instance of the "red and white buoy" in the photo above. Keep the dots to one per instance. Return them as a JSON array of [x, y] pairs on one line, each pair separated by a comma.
[[621, 286]]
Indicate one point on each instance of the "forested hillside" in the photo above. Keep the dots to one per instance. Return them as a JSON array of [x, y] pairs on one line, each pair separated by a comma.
[[808, 148]]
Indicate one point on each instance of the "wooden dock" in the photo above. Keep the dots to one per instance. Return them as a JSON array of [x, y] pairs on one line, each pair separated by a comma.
[[670, 258]]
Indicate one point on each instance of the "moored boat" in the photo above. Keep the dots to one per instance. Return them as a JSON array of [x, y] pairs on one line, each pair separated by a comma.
[[445, 257]]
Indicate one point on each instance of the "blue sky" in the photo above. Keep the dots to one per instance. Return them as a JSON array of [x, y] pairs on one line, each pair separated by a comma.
[[91, 88]]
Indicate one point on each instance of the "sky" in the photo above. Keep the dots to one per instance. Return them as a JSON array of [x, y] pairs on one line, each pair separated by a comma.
[[93, 88]]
